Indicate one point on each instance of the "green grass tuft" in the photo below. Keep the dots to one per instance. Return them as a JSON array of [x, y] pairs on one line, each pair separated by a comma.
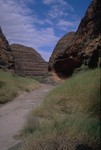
[[69, 115], [11, 85]]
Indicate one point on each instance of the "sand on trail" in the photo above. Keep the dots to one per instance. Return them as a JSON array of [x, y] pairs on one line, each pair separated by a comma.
[[13, 115]]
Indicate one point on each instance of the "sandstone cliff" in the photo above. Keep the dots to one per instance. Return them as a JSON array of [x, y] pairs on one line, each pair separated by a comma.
[[28, 62], [6, 58], [86, 46], [61, 46]]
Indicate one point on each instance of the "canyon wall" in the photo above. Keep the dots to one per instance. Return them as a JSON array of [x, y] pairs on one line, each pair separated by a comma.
[[85, 50]]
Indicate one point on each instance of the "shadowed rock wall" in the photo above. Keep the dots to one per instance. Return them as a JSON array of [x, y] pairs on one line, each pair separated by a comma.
[[6, 58], [60, 47]]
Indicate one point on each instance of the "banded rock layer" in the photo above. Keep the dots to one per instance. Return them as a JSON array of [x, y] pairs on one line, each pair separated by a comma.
[[28, 62]]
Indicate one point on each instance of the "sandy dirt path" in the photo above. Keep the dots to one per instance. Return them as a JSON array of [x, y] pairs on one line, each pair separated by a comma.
[[13, 115]]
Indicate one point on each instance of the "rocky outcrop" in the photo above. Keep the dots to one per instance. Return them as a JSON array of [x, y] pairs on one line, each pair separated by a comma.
[[6, 58], [28, 62], [86, 46], [23, 60], [61, 46]]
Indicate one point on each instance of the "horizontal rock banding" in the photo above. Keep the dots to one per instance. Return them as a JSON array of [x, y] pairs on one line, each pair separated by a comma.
[[28, 62]]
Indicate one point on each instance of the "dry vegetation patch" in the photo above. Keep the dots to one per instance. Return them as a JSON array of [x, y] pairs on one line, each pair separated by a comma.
[[11, 85]]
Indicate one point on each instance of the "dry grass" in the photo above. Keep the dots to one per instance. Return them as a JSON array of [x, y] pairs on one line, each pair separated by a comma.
[[11, 85], [69, 116]]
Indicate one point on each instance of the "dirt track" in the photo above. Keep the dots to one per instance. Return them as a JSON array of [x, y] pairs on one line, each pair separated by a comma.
[[13, 115]]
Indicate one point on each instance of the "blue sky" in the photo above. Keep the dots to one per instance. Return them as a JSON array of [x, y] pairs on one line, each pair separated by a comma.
[[40, 23]]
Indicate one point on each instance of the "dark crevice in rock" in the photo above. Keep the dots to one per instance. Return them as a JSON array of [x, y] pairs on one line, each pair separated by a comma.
[[94, 61], [64, 67]]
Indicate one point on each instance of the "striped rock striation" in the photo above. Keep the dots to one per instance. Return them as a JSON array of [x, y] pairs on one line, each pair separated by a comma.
[[28, 62]]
